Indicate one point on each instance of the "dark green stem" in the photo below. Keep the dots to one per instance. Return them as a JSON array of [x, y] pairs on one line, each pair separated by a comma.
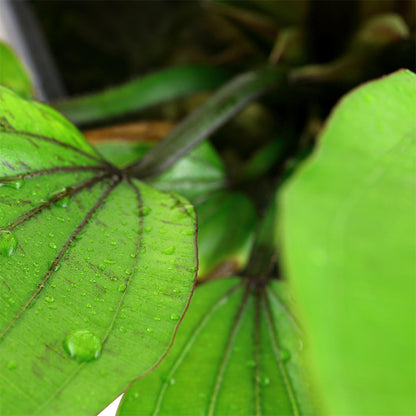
[[216, 111]]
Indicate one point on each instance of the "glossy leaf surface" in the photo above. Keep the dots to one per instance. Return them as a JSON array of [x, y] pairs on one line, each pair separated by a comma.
[[348, 233], [13, 74], [236, 353], [96, 268]]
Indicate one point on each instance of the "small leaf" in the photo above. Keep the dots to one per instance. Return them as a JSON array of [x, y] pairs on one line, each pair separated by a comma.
[[348, 232], [138, 94], [88, 259], [13, 74], [237, 352]]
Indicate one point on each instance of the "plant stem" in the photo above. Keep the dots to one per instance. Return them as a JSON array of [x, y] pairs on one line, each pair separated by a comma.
[[215, 112]]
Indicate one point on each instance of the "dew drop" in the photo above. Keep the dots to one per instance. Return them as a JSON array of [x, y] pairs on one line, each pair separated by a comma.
[[251, 363], [11, 365], [123, 330], [122, 287], [188, 232], [8, 243], [150, 330], [49, 299], [54, 268], [148, 229], [174, 317], [14, 184], [169, 250], [63, 202], [284, 355], [145, 211], [264, 381], [52, 245], [82, 345]]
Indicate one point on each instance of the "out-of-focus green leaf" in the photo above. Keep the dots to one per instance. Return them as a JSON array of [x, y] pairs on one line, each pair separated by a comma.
[[13, 74], [237, 352], [197, 175], [96, 269], [141, 93], [348, 232], [218, 109], [226, 225]]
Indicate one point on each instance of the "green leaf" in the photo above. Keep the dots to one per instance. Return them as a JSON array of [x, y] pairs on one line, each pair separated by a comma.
[[96, 268], [236, 353], [348, 233], [217, 110], [195, 176], [13, 74], [226, 221], [226, 225], [138, 94]]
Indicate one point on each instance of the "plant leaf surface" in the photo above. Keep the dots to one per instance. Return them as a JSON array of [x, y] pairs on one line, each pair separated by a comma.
[[13, 74], [138, 94], [83, 249], [236, 353], [195, 176], [226, 220], [348, 234]]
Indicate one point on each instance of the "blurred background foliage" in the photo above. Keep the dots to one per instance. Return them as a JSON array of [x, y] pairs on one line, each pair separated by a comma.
[[328, 47]]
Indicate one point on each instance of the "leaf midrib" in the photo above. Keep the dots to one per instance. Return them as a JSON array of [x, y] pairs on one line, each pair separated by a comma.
[[58, 258], [191, 341]]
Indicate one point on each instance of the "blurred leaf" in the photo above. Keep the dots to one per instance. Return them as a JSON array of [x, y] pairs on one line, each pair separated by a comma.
[[226, 224], [96, 268], [195, 176], [141, 93], [348, 233], [360, 61], [218, 109], [236, 353], [13, 74]]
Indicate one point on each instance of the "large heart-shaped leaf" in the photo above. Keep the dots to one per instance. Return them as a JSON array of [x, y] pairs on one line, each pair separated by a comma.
[[236, 353], [349, 247], [96, 268]]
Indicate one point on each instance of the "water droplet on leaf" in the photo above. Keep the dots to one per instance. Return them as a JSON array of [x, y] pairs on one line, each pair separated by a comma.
[[11, 365], [264, 381], [8, 243], [169, 250], [83, 345], [284, 355], [174, 317], [145, 211], [14, 184]]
